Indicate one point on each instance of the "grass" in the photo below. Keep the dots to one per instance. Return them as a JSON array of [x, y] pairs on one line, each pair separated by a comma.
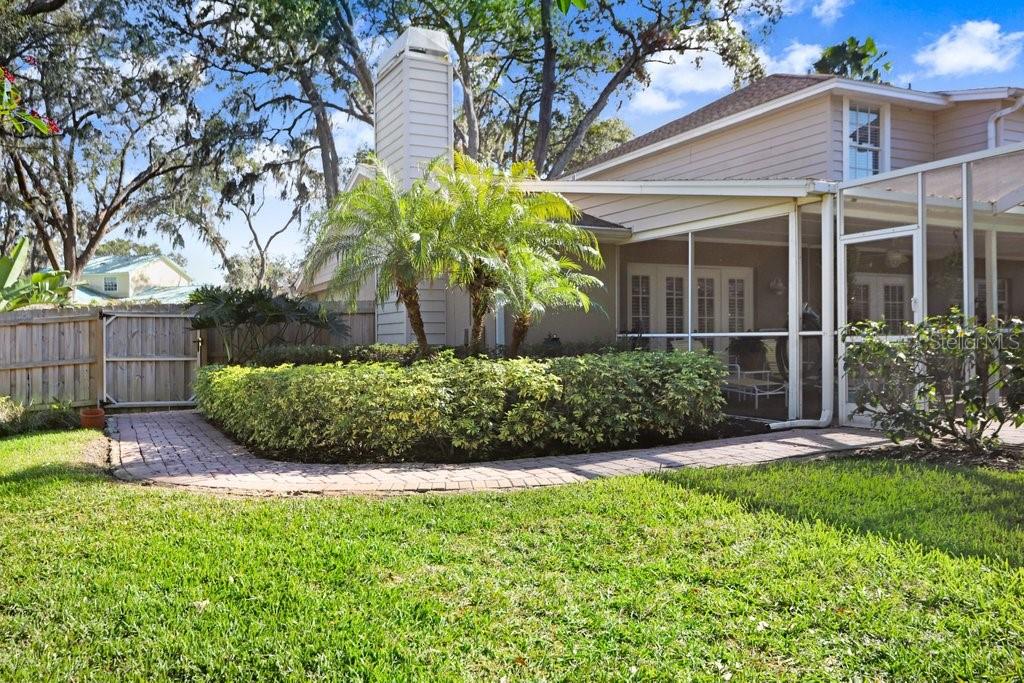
[[826, 571]]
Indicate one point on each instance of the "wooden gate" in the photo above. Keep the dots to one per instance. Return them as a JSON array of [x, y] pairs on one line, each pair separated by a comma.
[[149, 359]]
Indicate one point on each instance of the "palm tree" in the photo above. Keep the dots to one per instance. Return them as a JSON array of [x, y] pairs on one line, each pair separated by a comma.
[[533, 283], [489, 214], [379, 230]]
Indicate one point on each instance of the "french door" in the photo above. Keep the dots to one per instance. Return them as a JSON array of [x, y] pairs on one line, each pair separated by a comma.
[[658, 303], [880, 277]]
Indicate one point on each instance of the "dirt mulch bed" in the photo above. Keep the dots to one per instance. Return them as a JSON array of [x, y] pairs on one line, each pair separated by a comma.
[[1009, 458]]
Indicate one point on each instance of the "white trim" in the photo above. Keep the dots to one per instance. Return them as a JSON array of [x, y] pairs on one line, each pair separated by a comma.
[[707, 188], [773, 211], [360, 172], [839, 86], [981, 94]]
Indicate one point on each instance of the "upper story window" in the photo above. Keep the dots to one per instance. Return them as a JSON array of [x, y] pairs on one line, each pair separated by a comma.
[[864, 138], [110, 284]]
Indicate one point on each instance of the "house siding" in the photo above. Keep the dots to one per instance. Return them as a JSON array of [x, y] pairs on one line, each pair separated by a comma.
[[963, 129], [912, 136], [1013, 129], [791, 143]]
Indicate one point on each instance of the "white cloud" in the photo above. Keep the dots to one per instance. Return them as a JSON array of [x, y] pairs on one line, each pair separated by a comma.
[[797, 59], [971, 47], [673, 77], [829, 11]]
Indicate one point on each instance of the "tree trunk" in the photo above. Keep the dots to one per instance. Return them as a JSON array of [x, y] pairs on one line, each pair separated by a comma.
[[520, 328], [547, 89], [479, 306], [324, 135], [469, 107], [570, 147], [410, 298]]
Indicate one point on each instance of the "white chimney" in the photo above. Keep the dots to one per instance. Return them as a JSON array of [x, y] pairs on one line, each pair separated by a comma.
[[413, 112], [413, 103]]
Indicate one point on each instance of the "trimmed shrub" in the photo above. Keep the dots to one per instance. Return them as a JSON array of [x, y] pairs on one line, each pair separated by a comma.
[[621, 399], [464, 409]]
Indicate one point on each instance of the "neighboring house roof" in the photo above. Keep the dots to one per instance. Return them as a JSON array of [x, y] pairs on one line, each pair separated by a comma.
[[101, 265], [83, 294], [771, 92], [165, 295]]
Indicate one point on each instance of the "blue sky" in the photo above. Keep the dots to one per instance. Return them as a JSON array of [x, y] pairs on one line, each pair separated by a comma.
[[934, 45]]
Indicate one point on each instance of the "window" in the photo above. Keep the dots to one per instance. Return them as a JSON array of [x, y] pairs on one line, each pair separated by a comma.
[[737, 304], [981, 299], [110, 284], [675, 305], [864, 141], [705, 304], [894, 308], [640, 316]]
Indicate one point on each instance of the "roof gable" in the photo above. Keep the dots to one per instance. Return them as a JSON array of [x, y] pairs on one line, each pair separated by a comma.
[[759, 92]]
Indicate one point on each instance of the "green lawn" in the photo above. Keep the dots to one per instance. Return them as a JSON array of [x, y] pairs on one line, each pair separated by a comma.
[[820, 571]]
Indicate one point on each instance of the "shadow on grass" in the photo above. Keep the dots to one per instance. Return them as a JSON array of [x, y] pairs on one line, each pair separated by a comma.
[[963, 512], [25, 481]]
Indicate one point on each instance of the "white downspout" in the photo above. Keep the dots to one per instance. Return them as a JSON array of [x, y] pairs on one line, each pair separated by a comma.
[[993, 121], [828, 323]]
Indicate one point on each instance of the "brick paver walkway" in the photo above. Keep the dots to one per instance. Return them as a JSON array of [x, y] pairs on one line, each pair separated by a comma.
[[183, 449]]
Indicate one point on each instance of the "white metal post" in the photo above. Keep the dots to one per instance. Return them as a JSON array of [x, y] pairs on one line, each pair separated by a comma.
[[690, 295], [992, 273], [968, 241], [919, 303], [828, 307], [992, 289], [795, 301]]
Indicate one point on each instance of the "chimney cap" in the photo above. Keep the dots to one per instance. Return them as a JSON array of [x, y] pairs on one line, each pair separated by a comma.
[[415, 39]]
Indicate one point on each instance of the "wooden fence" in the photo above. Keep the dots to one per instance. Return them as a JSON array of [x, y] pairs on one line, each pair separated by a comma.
[[131, 356], [48, 355]]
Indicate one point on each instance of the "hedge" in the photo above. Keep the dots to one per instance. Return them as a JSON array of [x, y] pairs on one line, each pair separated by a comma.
[[464, 409]]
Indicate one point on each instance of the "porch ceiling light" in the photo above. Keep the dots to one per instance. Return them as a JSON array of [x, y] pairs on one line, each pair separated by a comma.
[[895, 259]]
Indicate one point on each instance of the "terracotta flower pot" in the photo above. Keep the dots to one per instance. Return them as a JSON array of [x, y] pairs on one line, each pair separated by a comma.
[[92, 418]]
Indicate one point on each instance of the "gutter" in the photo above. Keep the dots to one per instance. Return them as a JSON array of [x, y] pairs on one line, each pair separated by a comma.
[[993, 120]]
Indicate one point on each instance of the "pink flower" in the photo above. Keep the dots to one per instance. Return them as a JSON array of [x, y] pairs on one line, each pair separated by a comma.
[[33, 112], [31, 61], [52, 125], [8, 75]]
